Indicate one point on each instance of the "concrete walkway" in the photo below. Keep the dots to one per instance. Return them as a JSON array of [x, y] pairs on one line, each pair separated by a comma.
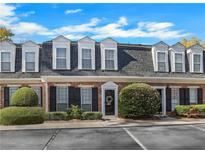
[[113, 122]]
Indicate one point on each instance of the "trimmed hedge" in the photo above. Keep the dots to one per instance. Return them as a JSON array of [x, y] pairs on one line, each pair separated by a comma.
[[184, 110], [56, 116], [24, 97], [138, 100], [74, 112], [21, 115], [91, 116]]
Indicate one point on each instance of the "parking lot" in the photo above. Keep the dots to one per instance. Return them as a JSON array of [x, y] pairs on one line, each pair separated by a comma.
[[128, 138]]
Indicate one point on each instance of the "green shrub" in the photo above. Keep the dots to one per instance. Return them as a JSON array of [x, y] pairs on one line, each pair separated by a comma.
[[21, 115], [138, 100], [91, 116], [56, 116], [183, 110], [74, 112], [24, 97]]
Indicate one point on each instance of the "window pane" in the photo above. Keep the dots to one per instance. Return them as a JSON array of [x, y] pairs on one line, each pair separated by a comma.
[[30, 56], [61, 52], [178, 58], [38, 92], [178, 67], [86, 99], [5, 57], [109, 54], [161, 57], [197, 59], [109, 64], [86, 64], [61, 63], [193, 95], [161, 66], [175, 97], [196, 67], [30, 66], [86, 53], [11, 91], [5, 66], [61, 98]]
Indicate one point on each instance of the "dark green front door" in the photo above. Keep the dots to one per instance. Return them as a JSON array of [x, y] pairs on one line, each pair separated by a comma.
[[109, 102]]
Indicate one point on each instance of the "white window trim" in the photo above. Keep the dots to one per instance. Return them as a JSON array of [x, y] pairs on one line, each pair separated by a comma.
[[86, 45], [115, 59], [174, 58], [11, 48], [66, 96], [166, 60], [192, 62], [81, 88], [61, 42]]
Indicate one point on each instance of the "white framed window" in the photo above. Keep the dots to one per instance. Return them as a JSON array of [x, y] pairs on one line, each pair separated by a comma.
[[12, 90], [197, 62], [30, 61], [5, 61], [174, 97], [86, 99], [38, 92], [61, 98], [61, 58], [193, 95], [161, 61], [109, 59], [86, 58], [178, 62]]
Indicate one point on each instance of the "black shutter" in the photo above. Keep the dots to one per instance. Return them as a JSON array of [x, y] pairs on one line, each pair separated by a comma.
[[52, 98], [187, 96], [95, 99], [200, 95], [6, 96], [168, 99], [182, 96], [71, 95], [41, 93], [78, 97]]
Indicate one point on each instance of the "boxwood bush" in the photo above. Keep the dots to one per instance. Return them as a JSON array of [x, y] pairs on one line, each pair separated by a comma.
[[91, 116], [24, 97], [21, 115], [138, 100], [56, 116], [183, 110]]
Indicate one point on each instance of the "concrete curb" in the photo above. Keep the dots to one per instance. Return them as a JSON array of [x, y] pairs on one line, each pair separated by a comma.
[[101, 125]]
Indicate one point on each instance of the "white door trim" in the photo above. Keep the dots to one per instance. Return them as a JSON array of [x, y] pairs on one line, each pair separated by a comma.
[[164, 103], [109, 86]]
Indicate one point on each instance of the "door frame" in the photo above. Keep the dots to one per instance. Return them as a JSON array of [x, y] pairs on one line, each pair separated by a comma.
[[109, 86], [164, 104]]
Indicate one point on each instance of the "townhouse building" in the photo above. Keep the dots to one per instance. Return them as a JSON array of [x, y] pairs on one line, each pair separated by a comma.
[[91, 74]]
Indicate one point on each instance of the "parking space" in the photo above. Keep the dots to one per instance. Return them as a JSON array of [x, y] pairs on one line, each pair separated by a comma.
[[129, 138]]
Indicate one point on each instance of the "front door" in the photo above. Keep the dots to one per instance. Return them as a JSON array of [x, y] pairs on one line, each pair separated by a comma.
[[109, 102]]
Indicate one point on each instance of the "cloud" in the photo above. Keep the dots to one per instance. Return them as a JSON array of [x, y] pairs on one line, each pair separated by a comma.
[[73, 11], [26, 14]]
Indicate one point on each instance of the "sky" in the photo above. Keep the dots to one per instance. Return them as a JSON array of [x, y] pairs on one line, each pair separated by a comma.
[[125, 23]]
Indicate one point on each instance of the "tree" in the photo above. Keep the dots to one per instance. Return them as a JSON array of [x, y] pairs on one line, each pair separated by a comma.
[[5, 34], [192, 41]]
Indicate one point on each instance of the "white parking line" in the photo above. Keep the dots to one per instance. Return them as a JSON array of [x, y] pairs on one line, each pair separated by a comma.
[[135, 139], [198, 128]]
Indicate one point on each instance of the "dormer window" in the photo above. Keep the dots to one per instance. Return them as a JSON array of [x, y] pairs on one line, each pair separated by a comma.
[[86, 54], [197, 62], [61, 53], [5, 62], [160, 57], [178, 62], [161, 61], [30, 57], [61, 58], [195, 57], [7, 56], [86, 59], [109, 56]]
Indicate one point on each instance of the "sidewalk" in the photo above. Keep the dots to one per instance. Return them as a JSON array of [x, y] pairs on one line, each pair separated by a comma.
[[116, 122]]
